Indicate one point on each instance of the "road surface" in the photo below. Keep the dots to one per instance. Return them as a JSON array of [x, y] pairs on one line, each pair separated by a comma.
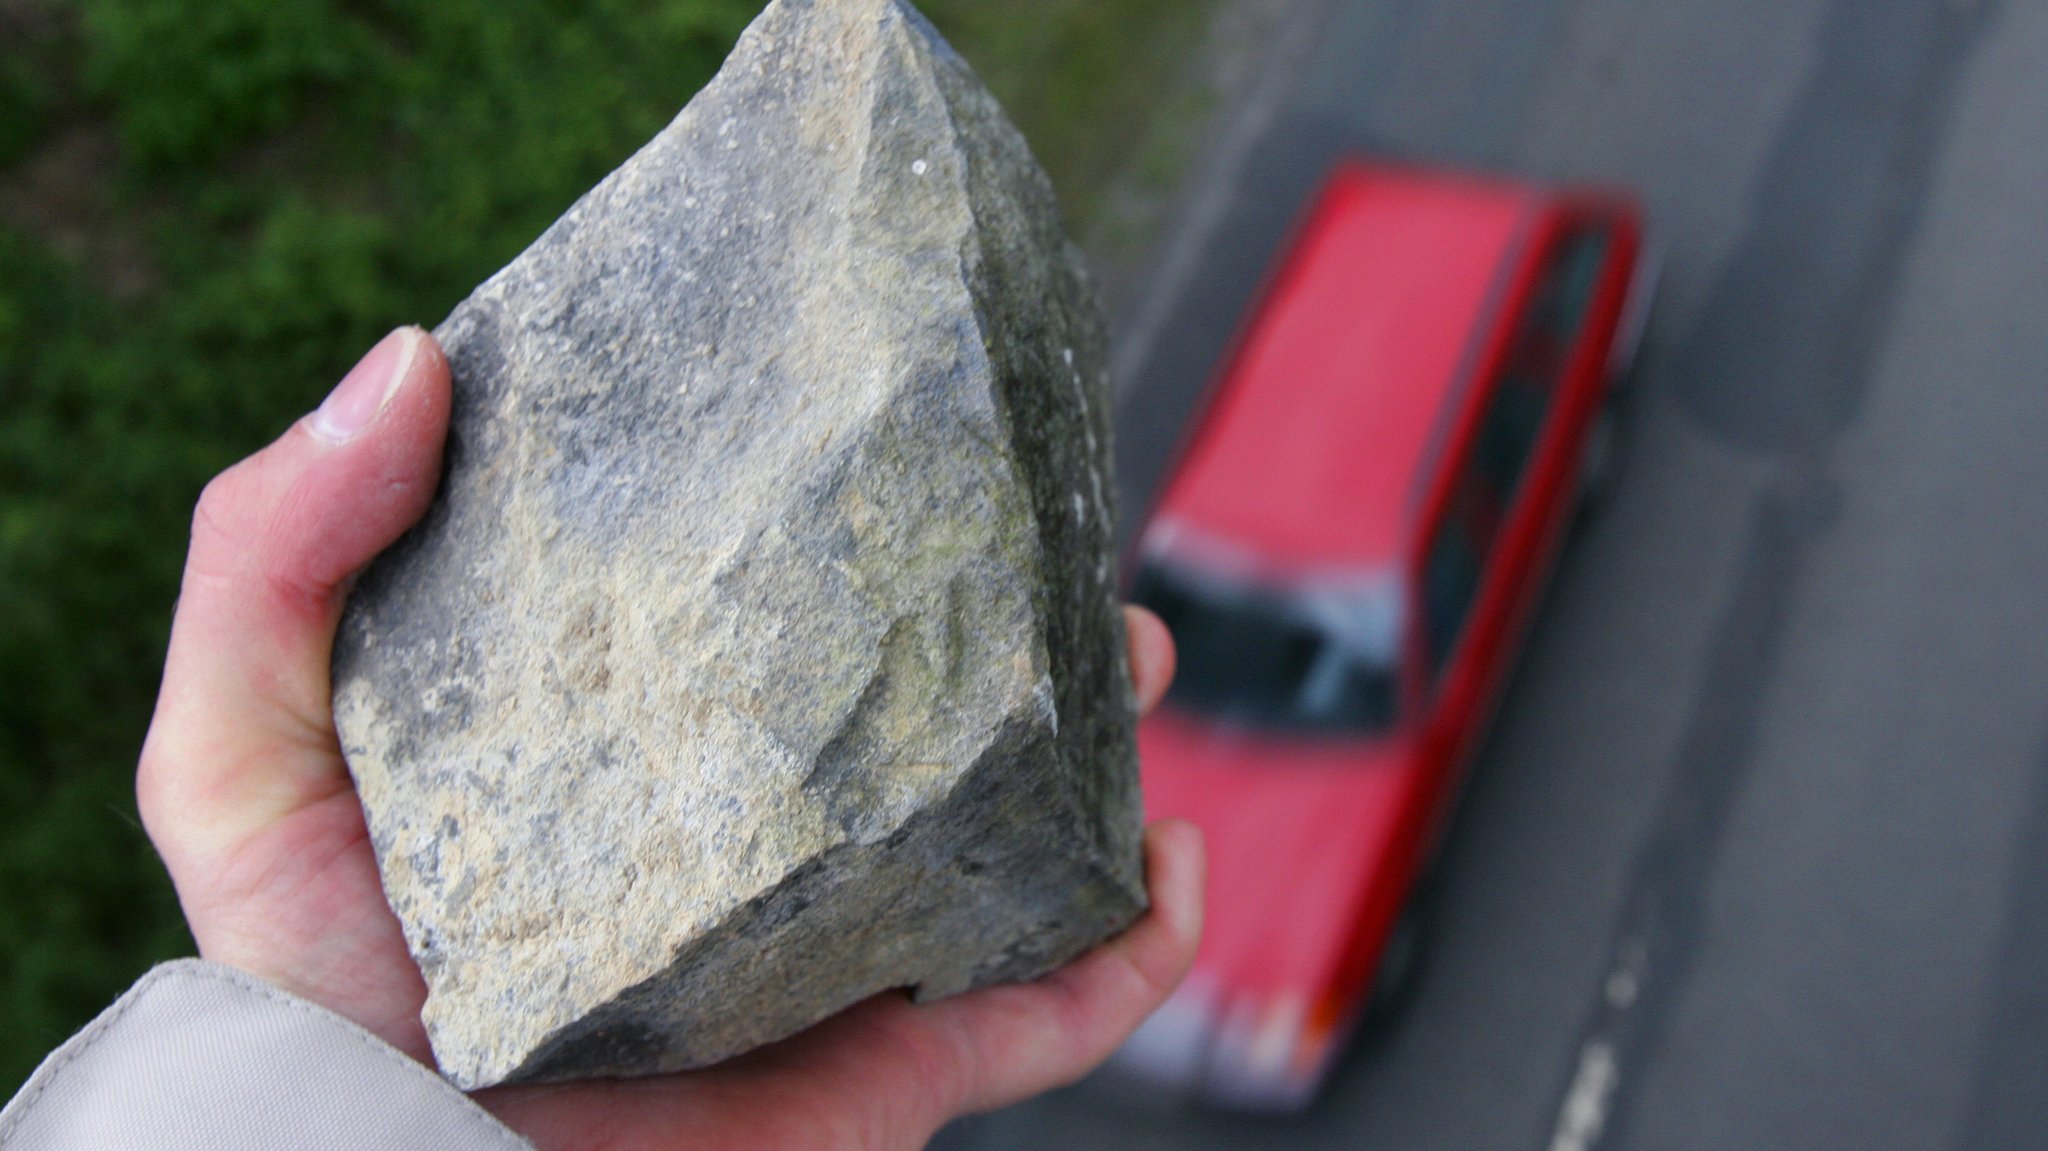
[[1758, 855]]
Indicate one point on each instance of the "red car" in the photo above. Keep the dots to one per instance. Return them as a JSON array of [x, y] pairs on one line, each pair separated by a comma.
[[1347, 554]]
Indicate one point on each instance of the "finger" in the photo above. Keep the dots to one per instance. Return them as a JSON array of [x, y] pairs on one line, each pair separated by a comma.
[[243, 734], [1017, 1041], [1152, 656]]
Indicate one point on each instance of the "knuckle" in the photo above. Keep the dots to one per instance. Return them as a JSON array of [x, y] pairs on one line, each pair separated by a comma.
[[221, 521], [235, 540], [943, 1065], [156, 780], [248, 537], [149, 773]]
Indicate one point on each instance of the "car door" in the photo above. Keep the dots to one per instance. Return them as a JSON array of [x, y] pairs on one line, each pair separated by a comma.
[[1489, 541]]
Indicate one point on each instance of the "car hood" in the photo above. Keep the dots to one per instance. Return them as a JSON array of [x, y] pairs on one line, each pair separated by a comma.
[[1296, 833], [1293, 827]]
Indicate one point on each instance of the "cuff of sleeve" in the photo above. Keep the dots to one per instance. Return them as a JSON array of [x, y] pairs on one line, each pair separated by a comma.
[[201, 1056]]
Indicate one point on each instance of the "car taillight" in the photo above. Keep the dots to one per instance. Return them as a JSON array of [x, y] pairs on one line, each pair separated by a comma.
[[1322, 1036], [1258, 1054]]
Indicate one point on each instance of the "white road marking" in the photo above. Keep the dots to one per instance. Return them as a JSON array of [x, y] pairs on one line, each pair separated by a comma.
[[1584, 1114], [1582, 1117]]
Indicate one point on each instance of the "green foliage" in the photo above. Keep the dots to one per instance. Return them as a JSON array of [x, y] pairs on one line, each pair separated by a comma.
[[1082, 78], [188, 81], [293, 178], [82, 901], [22, 101]]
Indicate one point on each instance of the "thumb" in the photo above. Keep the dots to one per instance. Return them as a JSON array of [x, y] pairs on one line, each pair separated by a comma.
[[243, 733]]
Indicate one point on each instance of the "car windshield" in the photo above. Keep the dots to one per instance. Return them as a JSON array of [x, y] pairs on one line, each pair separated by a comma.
[[1311, 658]]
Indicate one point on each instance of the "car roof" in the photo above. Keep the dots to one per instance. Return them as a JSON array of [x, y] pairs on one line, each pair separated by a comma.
[[1334, 400]]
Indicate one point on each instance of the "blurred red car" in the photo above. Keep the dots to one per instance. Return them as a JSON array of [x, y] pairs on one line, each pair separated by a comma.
[[1347, 554]]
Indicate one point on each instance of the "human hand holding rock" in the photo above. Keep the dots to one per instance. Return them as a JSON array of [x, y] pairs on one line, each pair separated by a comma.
[[244, 791]]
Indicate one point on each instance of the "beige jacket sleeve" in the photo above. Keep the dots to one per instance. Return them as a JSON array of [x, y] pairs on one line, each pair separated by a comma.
[[201, 1057]]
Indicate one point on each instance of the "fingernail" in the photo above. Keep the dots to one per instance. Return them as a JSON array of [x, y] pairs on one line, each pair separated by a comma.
[[355, 402]]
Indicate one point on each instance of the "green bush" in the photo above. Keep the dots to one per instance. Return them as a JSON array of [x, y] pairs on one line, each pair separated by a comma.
[[189, 81], [22, 99], [287, 180]]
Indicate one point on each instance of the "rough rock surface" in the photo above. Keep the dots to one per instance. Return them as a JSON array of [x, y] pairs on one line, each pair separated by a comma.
[[761, 652]]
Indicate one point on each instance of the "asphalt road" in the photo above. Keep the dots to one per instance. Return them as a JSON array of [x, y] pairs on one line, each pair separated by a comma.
[[1758, 855]]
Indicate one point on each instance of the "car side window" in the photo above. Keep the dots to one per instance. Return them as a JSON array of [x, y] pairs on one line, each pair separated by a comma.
[[1490, 476], [1452, 569]]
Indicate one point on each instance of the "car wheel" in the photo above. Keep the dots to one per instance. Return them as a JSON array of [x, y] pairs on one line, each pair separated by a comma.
[[1600, 466], [1635, 317], [1601, 460], [1400, 969]]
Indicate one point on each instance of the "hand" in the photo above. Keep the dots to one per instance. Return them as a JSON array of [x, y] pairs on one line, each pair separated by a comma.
[[244, 791]]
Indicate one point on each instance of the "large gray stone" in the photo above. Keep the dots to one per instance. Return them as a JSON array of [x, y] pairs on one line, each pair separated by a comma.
[[761, 652]]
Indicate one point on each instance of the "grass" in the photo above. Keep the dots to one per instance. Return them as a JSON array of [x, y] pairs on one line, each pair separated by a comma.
[[208, 208]]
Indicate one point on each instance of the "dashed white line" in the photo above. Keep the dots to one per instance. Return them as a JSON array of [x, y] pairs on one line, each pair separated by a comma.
[[1584, 1114]]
